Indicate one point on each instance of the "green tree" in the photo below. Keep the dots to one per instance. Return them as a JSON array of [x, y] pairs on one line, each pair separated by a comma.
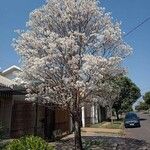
[[146, 98], [141, 106], [129, 93]]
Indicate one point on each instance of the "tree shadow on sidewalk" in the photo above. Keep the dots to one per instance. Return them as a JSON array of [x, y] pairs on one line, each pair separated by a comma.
[[105, 143]]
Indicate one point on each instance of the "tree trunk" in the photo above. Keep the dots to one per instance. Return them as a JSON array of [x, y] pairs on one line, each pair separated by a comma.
[[117, 114], [77, 134], [112, 121]]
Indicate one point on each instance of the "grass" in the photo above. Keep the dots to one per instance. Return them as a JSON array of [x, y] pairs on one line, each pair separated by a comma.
[[117, 124], [108, 127], [114, 125], [98, 125]]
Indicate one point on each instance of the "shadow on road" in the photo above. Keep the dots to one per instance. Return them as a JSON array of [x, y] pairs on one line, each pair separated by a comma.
[[142, 119], [107, 143], [133, 127]]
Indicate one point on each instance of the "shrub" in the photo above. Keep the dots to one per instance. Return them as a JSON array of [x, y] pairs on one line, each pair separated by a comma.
[[29, 143], [2, 135], [2, 131]]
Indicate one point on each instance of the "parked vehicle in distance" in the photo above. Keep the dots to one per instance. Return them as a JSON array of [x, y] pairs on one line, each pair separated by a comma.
[[131, 120]]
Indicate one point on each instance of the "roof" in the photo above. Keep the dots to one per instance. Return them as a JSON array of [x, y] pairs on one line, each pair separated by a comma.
[[6, 82], [10, 69]]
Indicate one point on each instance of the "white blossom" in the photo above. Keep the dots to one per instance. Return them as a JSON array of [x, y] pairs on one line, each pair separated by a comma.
[[68, 51]]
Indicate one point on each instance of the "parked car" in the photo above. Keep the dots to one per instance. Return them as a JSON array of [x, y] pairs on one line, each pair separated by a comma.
[[131, 120]]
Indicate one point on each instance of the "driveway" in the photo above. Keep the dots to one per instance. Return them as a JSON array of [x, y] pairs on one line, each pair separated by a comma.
[[142, 133]]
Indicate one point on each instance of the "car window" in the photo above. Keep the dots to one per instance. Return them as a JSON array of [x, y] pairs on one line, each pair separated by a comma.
[[131, 116]]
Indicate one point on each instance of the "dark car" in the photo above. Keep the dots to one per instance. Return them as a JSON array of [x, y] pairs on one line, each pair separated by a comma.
[[131, 120]]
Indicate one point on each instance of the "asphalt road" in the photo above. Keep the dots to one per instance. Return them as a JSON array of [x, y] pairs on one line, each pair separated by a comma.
[[142, 133]]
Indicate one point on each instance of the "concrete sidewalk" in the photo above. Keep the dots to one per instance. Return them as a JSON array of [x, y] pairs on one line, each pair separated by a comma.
[[97, 132]]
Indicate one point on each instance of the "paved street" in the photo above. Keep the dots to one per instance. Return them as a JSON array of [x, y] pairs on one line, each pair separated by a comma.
[[140, 138], [107, 143], [142, 133]]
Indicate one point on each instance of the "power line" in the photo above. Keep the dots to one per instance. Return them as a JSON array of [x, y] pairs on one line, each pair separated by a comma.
[[136, 27], [132, 30], [129, 32]]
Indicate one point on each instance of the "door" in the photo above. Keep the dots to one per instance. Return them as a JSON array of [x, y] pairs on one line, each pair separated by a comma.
[[49, 125]]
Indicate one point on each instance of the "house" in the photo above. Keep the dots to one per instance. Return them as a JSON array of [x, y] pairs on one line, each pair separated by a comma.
[[10, 72], [21, 117], [92, 114], [6, 102], [18, 115]]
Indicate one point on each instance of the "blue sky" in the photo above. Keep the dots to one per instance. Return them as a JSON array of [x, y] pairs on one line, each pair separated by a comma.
[[14, 14]]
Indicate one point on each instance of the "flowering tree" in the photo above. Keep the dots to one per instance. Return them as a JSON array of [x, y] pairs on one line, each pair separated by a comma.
[[70, 48]]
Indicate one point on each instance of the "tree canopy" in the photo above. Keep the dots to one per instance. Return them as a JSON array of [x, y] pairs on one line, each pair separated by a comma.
[[141, 106], [69, 48], [129, 93], [146, 98]]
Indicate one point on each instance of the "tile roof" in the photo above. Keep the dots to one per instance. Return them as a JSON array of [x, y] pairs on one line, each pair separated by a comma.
[[6, 82], [10, 69]]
